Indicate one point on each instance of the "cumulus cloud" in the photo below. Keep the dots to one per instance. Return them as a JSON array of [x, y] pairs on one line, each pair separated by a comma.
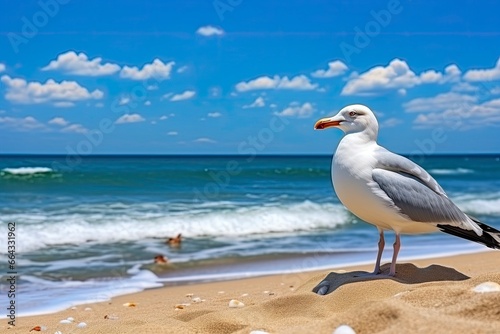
[[130, 118], [28, 123], [204, 140], [395, 76], [214, 114], [335, 68], [74, 128], [209, 31], [390, 122], [2, 67], [172, 133], [300, 82], [22, 92], [297, 110], [58, 121], [188, 94], [462, 117], [490, 74], [157, 69], [80, 64], [439, 102], [258, 103]]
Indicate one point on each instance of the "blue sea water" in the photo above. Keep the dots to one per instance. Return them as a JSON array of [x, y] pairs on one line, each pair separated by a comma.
[[88, 229]]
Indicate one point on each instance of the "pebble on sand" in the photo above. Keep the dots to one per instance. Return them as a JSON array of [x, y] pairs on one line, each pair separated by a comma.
[[81, 325], [130, 304], [487, 287], [235, 303], [344, 329]]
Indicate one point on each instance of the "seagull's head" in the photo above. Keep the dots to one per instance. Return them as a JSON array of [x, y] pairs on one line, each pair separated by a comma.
[[351, 119]]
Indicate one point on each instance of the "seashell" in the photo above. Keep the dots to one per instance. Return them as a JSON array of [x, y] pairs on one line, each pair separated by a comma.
[[111, 317], [189, 295], [88, 309], [70, 319], [65, 321], [244, 295], [487, 287], [221, 292], [265, 292], [196, 300], [58, 332], [235, 303], [81, 325], [36, 328], [344, 329], [258, 332], [179, 307], [130, 304]]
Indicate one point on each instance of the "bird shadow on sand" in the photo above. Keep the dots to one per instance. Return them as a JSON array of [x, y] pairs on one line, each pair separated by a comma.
[[406, 273]]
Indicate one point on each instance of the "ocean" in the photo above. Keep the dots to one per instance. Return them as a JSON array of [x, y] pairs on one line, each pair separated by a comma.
[[88, 229]]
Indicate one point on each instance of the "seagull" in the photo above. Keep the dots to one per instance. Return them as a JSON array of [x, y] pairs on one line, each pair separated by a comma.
[[390, 191]]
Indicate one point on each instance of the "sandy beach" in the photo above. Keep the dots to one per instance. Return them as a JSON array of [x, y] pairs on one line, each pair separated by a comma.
[[427, 296]]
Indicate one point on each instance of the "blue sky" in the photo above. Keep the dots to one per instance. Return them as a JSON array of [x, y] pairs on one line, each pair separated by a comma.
[[240, 76]]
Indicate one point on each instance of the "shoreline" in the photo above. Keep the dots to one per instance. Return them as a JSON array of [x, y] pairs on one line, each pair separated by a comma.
[[287, 294]]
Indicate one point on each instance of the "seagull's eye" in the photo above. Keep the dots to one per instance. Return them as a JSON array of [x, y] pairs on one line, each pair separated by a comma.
[[352, 113]]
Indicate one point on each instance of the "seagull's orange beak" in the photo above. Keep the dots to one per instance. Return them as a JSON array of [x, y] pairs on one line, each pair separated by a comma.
[[326, 123]]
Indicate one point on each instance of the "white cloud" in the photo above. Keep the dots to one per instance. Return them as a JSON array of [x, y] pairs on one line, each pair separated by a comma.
[[204, 140], [182, 69], [183, 96], [22, 92], [74, 128], [64, 104], [124, 100], [297, 110], [463, 117], [484, 74], [214, 114], [2, 67], [172, 133], [440, 102], [209, 31], [157, 69], [300, 82], [80, 64], [58, 121], [464, 87], [258, 103], [152, 87], [22, 124], [147, 103], [395, 76], [130, 118], [162, 118], [335, 68]]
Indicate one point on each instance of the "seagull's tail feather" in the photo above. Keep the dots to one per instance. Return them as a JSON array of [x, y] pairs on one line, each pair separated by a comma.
[[490, 237]]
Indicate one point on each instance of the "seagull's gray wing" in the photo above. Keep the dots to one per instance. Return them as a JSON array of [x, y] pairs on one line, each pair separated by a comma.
[[414, 193]]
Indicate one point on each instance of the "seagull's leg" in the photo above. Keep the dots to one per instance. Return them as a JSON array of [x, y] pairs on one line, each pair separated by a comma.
[[381, 245], [397, 246]]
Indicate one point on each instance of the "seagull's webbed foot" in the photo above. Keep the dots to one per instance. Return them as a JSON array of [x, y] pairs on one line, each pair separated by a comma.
[[322, 288]]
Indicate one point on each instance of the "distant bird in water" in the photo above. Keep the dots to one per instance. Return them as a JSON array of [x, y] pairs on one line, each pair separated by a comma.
[[160, 259], [174, 242]]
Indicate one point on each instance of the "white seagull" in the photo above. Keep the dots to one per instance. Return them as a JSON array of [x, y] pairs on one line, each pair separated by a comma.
[[390, 191]]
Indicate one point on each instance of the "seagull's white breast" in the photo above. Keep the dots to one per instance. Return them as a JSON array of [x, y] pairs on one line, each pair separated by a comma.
[[352, 180]]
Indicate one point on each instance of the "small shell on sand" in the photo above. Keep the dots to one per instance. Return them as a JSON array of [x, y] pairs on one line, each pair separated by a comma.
[[65, 321], [81, 325], [344, 329], [70, 319], [244, 295], [58, 332], [258, 332], [189, 295], [88, 309], [179, 307], [487, 287], [196, 300], [130, 304], [221, 292], [235, 303], [36, 329]]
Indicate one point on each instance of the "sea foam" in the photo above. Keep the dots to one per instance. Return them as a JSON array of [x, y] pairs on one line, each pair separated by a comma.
[[27, 170]]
